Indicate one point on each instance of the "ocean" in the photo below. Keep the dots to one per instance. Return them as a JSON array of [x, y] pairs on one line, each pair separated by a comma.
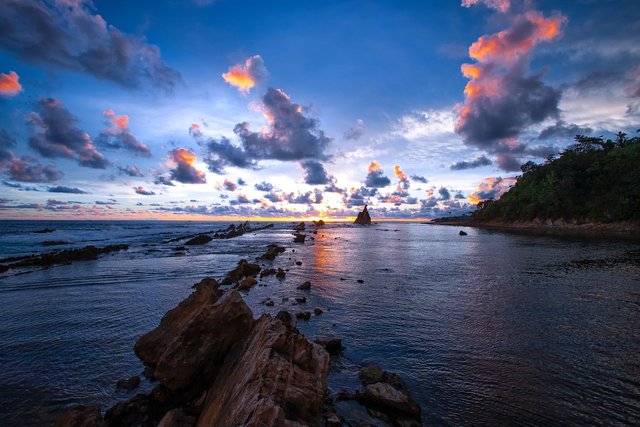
[[489, 328]]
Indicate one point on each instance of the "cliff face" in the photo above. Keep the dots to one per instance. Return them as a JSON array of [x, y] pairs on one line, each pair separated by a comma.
[[363, 217]]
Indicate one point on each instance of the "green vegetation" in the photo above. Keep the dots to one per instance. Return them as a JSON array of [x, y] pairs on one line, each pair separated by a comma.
[[593, 180]]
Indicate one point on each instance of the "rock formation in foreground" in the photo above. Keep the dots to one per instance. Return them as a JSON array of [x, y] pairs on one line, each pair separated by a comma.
[[363, 217]]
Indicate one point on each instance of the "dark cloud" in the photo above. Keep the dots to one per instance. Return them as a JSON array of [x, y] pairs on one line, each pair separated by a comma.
[[20, 187], [242, 182], [475, 163], [376, 177], [310, 197], [118, 136], [273, 197], [354, 133], [183, 170], [27, 169], [508, 162], [563, 130], [54, 134], [71, 35], [359, 196], [444, 193], [333, 188], [229, 185], [264, 186], [65, 189], [241, 199], [419, 178], [314, 173], [7, 142], [163, 180], [290, 136], [131, 170], [140, 190]]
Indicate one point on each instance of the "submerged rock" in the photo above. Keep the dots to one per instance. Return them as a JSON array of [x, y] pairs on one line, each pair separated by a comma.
[[363, 217], [66, 256], [54, 243]]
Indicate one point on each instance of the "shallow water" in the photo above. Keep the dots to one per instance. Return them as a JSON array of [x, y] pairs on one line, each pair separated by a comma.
[[489, 328]]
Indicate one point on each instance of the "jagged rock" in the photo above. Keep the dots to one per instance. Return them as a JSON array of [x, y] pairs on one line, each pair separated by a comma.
[[129, 383], [363, 217], [244, 269], [247, 283], [371, 374], [286, 318], [300, 227], [177, 418], [301, 300], [303, 315], [209, 282], [66, 256], [200, 239], [280, 274], [305, 286], [141, 410], [318, 311], [272, 252], [332, 345], [299, 237], [81, 416], [318, 223], [267, 272], [279, 379], [462, 233], [193, 339], [298, 263]]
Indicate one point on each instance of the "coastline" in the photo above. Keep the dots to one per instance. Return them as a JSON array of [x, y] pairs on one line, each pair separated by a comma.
[[627, 229]]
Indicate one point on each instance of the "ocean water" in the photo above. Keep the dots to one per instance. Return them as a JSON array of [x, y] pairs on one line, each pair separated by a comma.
[[491, 328]]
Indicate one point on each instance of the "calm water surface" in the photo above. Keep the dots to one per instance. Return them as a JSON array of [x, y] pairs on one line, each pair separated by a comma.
[[490, 328]]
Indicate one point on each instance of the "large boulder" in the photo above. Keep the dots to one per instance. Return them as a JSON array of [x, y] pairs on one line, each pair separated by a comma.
[[363, 217], [278, 379], [188, 347]]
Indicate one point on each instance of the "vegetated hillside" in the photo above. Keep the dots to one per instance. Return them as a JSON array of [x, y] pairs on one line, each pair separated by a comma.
[[594, 180]]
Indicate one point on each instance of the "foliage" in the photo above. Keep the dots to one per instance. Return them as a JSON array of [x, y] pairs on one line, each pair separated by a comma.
[[593, 180]]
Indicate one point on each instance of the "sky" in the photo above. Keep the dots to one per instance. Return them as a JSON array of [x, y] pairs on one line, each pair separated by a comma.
[[220, 109]]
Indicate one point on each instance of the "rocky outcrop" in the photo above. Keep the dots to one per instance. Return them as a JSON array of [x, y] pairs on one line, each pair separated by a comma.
[[462, 233], [299, 237], [272, 252], [363, 217], [278, 380], [244, 269], [81, 416], [66, 256], [129, 383], [200, 239], [300, 227], [318, 223]]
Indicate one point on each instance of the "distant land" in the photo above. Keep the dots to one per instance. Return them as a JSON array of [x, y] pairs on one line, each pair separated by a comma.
[[594, 185]]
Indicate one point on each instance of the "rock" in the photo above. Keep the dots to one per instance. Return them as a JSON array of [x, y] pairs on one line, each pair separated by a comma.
[[270, 303], [209, 282], [272, 252], [81, 416], [267, 272], [303, 315], [301, 300], [180, 248], [247, 283], [298, 262], [45, 230], [318, 311], [389, 400], [363, 217], [371, 374], [360, 281], [300, 227], [177, 418], [129, 383], [66, 256], [332, 345], [189, 346], [462, 233], [200, 239], [305, 286], [280, 274], [279, 379], [244, 269], [54, 243], [141, 410], [318, 223], [299, 238], [286, 318]]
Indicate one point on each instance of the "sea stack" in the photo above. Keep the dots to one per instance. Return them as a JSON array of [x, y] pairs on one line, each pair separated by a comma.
[[363, 217]]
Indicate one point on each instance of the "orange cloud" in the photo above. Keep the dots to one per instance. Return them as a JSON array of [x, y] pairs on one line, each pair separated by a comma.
[[399, 173], [182, 155], [121, 122], [374, 166], [245, 76], [501, 5], [9, 84], [491, 188]]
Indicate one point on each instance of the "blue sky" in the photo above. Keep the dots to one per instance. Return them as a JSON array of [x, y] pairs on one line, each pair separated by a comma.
[[353, 103]]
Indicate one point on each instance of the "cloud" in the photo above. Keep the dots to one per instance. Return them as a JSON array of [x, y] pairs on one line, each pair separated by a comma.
[[375, 176], [117, 135], [501, 98], [27, 169], [6, 143], [475, 163], [140, 190], [182, 161], [501, 5], [402, 177], [491, 188], [9, 84], [242, 182], [359, 196], [290, 136], [314, 173], [65, 189], [310, 197], [246, 76], [419, 178], [71, 35], [163, 180], [264, 186], [131, 170], [354, 133], [229, 185], [562, 130], [54, 134]]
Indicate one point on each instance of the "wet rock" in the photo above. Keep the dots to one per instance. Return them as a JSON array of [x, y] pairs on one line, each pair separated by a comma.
[[188, 347], [54, 243], [280, 274], [141, 410], [303, 315], [286, 318], [462, 233], [318, 311], [363, 217], [300, 227], [269, 303], [180, 248], [298, 262], [200, 239], [244, 269], [278, 380], [45, 230], [301, 300], [66, 256], [209, 282], [318, 223], [305, 286], [267, 272], [272, 252], [81, 416], [177, 418], [299, 238], [247, 283], [360, 281], [129, 383], [332, 345], [371, 374]]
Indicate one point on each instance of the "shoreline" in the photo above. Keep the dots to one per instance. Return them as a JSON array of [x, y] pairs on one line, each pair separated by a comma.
[[625, 230]]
